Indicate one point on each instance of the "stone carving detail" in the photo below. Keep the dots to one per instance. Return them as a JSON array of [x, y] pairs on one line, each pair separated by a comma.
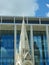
[[23, 57]]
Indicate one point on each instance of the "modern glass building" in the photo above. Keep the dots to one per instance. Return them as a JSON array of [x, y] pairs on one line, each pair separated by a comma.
[[38, 35]]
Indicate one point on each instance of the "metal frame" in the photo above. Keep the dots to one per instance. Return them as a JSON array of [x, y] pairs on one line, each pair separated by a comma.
[[32, 44], [31, 35]]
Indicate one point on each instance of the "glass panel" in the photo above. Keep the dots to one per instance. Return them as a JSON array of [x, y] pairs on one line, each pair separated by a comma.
[[28, 34], [7, 21], [45, 49], [0, 48], [26, 21], [33, 22], [7, 48], [44, 22], [40, 49], [37, 49], [18, 21], [0, 20], [18, 39]]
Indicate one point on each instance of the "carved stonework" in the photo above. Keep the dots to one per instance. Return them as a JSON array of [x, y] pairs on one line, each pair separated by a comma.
[[27, 62], [24, 57], [27, 56]]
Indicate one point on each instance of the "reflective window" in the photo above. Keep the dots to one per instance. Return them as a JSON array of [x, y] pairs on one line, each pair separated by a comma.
[[8, 21], [28, 33], [18, 40], [40, 49], [7, 48], [45, 22], [33, 22], [18, 21], [0, 20]]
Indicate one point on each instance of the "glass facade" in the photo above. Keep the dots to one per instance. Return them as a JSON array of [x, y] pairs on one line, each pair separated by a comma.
[[42, 51], [7, 44], [6, 47], [40, 47]]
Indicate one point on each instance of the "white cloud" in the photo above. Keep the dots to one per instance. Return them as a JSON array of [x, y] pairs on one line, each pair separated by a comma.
[[18, 7], [3, 49], [47, 5], [3, 52], [47, 14]]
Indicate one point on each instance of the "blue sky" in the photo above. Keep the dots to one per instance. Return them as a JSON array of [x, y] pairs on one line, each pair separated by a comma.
[[43, 8], [34, 8]]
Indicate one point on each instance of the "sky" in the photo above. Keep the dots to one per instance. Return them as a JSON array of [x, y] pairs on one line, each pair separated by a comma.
[[34, 8]]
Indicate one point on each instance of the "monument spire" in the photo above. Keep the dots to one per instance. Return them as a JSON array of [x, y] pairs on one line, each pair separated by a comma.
[[24, 44], [24, 47]]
